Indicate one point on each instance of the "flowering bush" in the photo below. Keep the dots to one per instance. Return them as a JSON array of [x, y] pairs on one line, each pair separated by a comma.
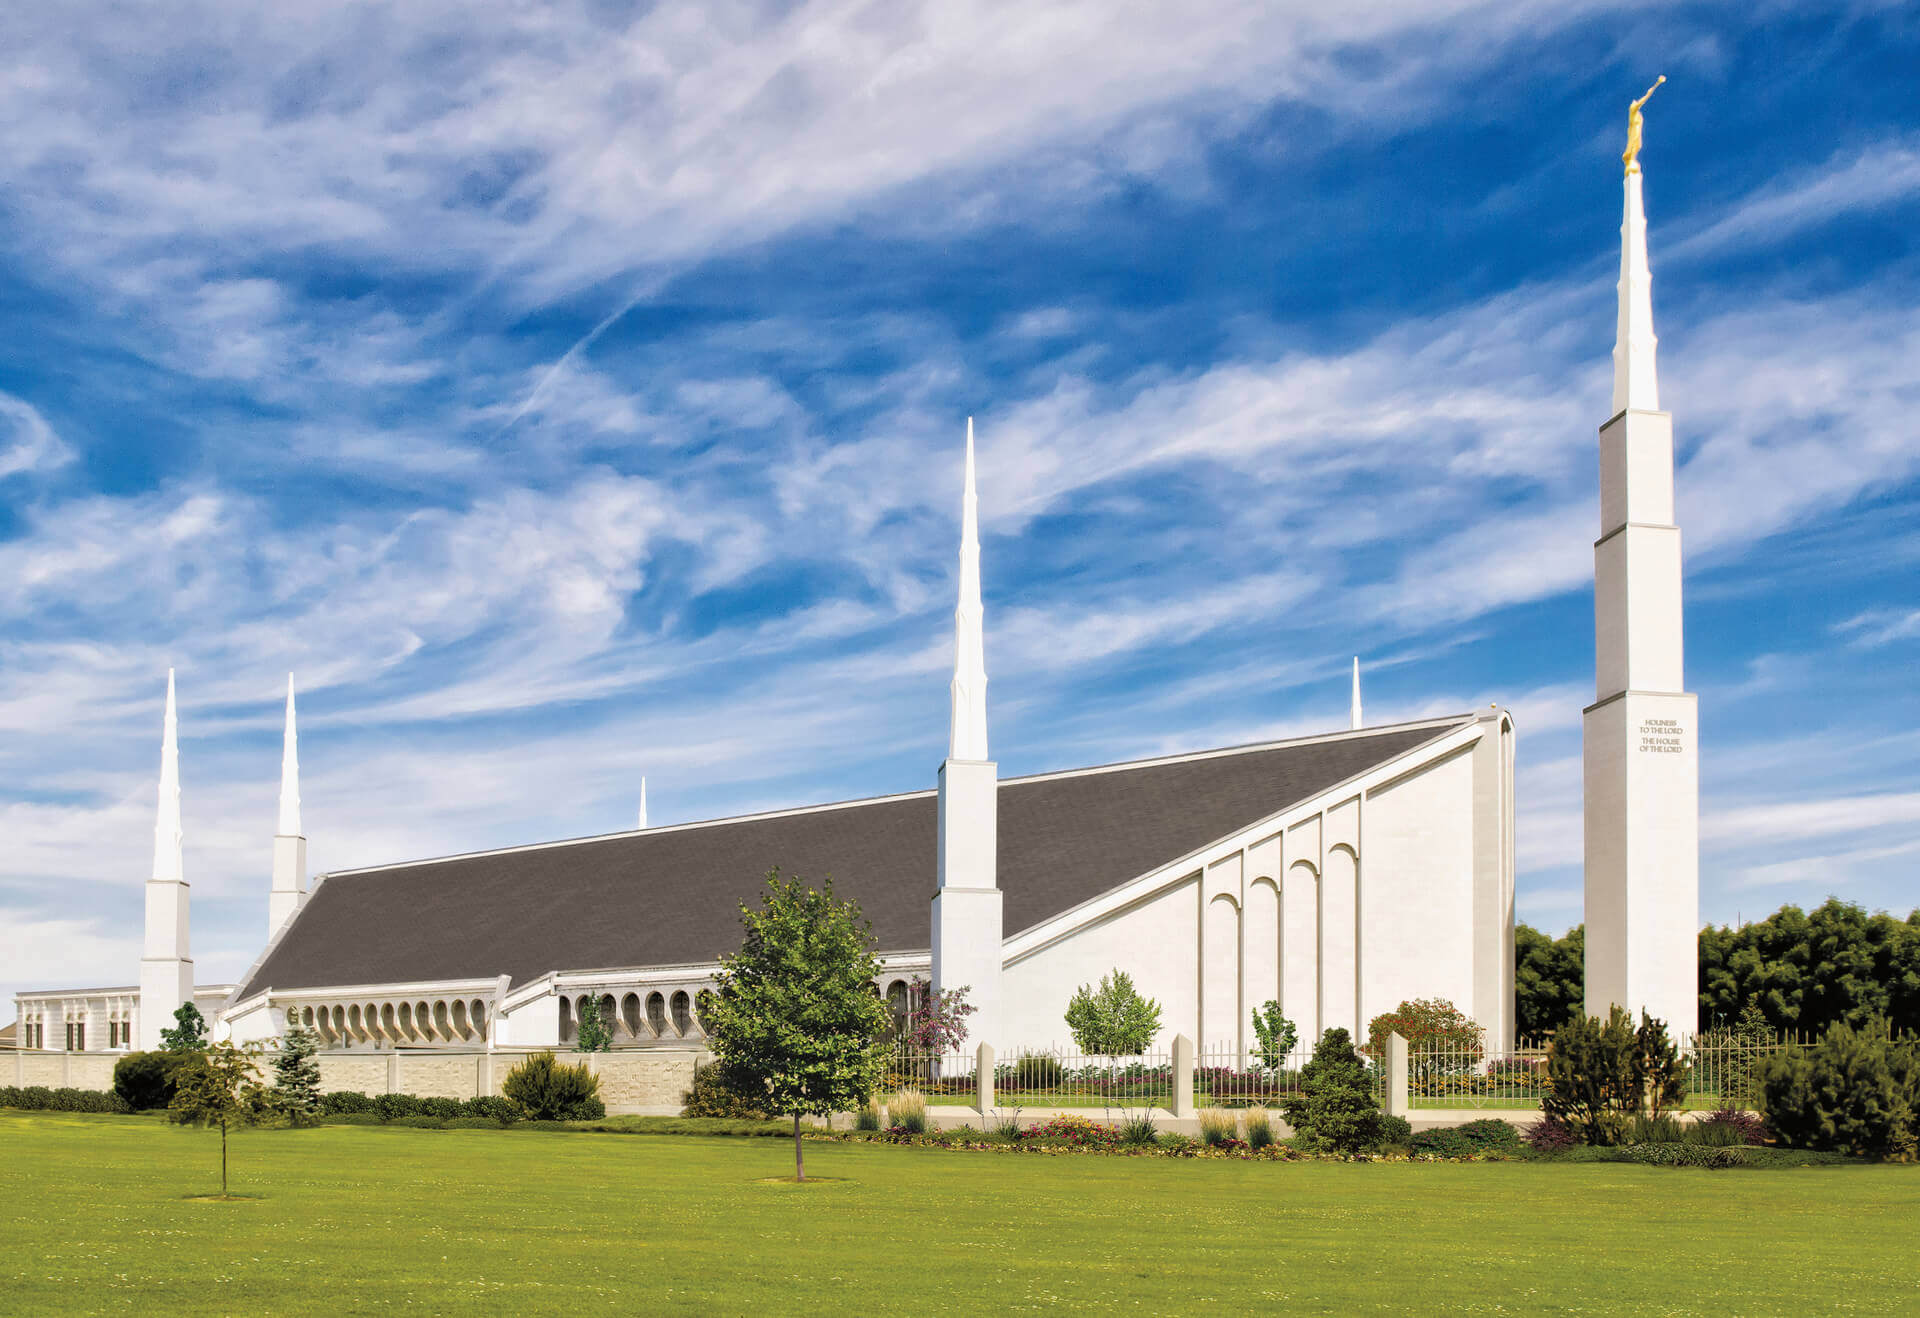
[[1074, 1131], [1441, 1039], [938, 1021]]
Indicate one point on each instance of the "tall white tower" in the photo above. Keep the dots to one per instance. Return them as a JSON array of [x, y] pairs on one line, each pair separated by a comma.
[[166, 962], [289, 840], [1641, 734], [1353, 715], [967, 906]]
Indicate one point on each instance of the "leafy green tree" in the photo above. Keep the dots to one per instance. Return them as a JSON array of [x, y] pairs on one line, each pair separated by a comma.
[[1549, 979], [591, 1033], [296, 1075], [1275, 1035], [189, 1031], [795, 1014], [1809, 970], [1335, 1104], [216, 1085], [1115, 1020]]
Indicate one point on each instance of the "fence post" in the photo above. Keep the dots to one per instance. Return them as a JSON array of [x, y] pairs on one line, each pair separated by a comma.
[[1182, 1076], [1396, 1075], [983, 1078]]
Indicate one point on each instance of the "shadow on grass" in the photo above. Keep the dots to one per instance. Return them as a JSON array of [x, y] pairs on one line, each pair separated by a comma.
[[790, 1183], [221, 1198]]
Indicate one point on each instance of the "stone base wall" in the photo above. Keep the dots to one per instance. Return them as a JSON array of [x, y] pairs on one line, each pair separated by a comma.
[[648, 1081], [59, 1070]]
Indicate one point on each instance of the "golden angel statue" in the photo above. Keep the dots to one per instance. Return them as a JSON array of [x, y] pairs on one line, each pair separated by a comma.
[[1634, 121]]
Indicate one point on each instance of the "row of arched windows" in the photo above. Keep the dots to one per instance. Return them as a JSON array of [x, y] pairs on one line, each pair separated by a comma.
[[440, 1021], [632, 1019]]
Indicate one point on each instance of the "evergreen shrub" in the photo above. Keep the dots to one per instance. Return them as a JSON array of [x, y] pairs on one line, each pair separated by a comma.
[[544, 1089], [1855, 1091], [420, 1121], [472, 1123], [1601, 1074], [352, 1119], [444, 1108], [144, 1081], [1335, 1105]]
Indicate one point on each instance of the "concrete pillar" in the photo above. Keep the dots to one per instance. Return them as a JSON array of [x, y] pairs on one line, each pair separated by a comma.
[[393, 1074], [1396, 1103], [1182, 1076], [983, 1078]]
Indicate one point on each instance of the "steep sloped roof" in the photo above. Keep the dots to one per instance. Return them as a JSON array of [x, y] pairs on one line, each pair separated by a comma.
[[671, 896]]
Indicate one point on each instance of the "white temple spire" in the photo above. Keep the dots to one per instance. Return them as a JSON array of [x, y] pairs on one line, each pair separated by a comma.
[[1355, 713], [169, 864], [643, 803], [289, 888], [1636, 384], [166, 963], [290, 773], [968, 731]]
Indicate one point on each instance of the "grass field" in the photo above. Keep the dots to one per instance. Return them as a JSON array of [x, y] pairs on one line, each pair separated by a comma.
[[94, 1219]]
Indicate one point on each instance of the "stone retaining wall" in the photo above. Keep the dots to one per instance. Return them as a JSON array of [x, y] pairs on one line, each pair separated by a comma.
[[647, 1081]]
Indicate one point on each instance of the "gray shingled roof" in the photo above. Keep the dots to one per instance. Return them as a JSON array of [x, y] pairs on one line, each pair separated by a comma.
[[672, 896]]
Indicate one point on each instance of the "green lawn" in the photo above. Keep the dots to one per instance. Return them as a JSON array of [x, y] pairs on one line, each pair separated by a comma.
[[93, 1220]]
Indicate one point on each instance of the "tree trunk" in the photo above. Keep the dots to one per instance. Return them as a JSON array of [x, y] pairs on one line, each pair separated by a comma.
[[799, 1158], [223, 1160]]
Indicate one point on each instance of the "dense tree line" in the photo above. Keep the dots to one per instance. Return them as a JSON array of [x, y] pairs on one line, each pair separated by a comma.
[[1803, 970]]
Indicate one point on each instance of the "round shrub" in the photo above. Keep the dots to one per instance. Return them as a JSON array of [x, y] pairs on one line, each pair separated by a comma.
[[544, 1089], [10, 1097], [1856, 1091], [144, 1081], [1491, 1134], [444, 1108], [343, 1101]]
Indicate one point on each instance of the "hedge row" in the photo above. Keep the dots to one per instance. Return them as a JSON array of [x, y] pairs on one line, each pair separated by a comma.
[[39, 1098], [394, 1107]]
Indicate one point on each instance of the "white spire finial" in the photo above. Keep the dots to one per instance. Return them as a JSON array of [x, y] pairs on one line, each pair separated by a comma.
[[643, 802], [968, 737], [290, 774], [169, 866], [1636, 385], [1356, 692]]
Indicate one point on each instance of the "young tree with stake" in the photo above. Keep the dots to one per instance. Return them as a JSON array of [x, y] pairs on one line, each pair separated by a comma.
[[795, 1015], [217, 1087]]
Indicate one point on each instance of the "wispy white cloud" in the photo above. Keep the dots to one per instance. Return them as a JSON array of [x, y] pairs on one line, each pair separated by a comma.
[[27, 443]]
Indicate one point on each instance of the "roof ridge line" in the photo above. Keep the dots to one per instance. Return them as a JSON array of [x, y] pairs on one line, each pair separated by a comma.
[[1343, 734]]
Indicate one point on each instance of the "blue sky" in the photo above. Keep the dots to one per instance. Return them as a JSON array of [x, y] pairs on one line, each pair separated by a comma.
[[570, 394]]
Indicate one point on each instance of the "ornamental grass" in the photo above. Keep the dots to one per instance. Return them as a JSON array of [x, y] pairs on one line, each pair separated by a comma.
[[1217, 1126], [907, 1111], [1259, 1128]]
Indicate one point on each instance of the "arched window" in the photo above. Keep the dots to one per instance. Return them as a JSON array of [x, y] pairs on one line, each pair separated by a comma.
[[566, 1020], [682, 1013], [657, 1014], [630, 1014]]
